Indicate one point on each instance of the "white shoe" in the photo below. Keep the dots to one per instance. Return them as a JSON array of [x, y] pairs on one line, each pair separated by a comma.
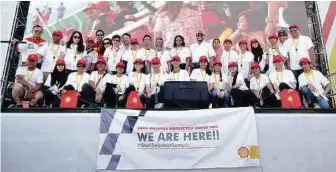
[[158, 106]]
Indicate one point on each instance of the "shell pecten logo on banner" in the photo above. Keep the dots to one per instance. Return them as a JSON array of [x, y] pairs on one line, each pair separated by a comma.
[[251, 152]]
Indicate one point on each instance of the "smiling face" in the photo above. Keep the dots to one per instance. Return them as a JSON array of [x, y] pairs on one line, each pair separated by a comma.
[[216, 43], [138, 66], [101, 66], [60, 68], [203, 64], [233, 69], [242, 23], [217, 68], [76, 38], [255, 45]]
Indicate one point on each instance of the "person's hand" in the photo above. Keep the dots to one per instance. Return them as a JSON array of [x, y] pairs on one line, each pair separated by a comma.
[[98, 97], [97, 90], [272, 91], [78, 94], [15, 42], [121, 98], [311, 87]]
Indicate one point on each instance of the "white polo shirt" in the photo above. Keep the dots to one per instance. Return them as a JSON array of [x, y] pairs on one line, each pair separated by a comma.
[[138, 80], [164, 57], [286, 76], [204, 49], [72, 57], [121, 82], [239, 80], [130, 56], [297, 48], [113, 57], [29, 48], [270, 53], [154, 80], [91, 58], [244, 61], [51, 53], [182, 75], [100, 80], [77, 81], [182, 52], [201, 75], [227, 57], [316, 79], [220, 83], [260, 83], [145, 54], [33, 77]]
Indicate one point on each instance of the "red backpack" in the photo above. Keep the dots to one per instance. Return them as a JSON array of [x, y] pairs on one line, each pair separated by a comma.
[[290, 99], [134, 101]]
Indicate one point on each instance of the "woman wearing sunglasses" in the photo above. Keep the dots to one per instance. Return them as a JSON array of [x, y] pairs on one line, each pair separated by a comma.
[[74, 51], [106, 44], [77, 80], [54, 83]]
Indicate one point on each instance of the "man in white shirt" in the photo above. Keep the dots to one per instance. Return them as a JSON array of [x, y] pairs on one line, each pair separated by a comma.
[[163, 55], [146, 53], [114, 54], [50, 53], [283, 36], [201, 48], [314, 85], [126, 38], [92, 54], [228, 55], [95, 91], [131, 55], [28, 83], [274, 50], [296, 47], [32, 45], [177, 74], [120, 83]]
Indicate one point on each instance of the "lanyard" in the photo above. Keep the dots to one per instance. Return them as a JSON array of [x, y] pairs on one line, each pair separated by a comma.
[[241, 59], [78, 81], [258, 80], [279, 78], [147, 53], [29, 74], [74, 48], [176, 74], [53, 50], [178, 51], [296, 44], [217, 80], [307, 77], [153, 80], [100, 78], [203, 75], [138, 80], [134, 54], [229, 57]]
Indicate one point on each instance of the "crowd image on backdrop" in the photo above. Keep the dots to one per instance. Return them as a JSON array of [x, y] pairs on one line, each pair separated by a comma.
[[104, 71]]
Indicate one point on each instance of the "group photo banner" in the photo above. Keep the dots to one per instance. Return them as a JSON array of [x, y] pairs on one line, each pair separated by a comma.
[[198, 139]]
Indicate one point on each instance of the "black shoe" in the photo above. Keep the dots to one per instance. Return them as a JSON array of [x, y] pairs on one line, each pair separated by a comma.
[[311, 105], [19, 106]]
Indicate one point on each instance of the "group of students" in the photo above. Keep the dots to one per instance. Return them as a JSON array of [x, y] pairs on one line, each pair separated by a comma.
[[104, 72]]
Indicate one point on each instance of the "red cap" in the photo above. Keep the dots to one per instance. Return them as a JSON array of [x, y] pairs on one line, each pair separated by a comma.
[[58, 33], [101, 59], [60, 62], [134, 41], [242, 42], [255, 65], [175, 58], [304, 60], [103, 5], [90, 38], [155, 60], [138, 61], [33, 57], [81, 62], [294, 26], [120, 65], [231, 64], [273, 36], [218, 63], [254, 41], [277, 58], [227, 40], [203, 58], [91, 6]]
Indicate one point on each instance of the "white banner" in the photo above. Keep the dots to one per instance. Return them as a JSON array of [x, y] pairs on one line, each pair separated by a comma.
[[211, 138]]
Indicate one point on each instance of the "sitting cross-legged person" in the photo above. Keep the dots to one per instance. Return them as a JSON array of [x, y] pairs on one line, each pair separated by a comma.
[[137, 80], [76, 81], [219, 95], [28, 83], [54, 84], [120, 83]]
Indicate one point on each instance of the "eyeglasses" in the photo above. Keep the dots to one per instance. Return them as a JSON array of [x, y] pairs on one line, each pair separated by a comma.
[[199, 35], [116, 40], [76, 37], [81, 66], [99, 35], [292, 30], [37, 31], [155, 63], [107, 43], [178, 40]]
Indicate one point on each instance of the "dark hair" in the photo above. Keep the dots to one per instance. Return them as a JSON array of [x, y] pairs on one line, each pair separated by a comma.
[[126, 34], [103, 47], [159, 38], [254, 20], [146, 36], [179, 36], [80, 47], [100, 31], [216, 39], [115, 36], [35, 26], [234, 78], [60, 77], [257, 52]]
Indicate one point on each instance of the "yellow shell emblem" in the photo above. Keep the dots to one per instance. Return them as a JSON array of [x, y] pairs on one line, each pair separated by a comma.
[[290, 98], [135, 100], [67, 99], [243, 152]]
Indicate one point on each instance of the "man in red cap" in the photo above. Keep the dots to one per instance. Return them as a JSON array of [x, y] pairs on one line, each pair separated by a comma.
[[34, 43], [131, 55], [177, 74], [314, 85], [270, 53], [28, 82], [201, 48], [281, 78], [296, 47], [50, 53], [92, 54], [228, 55], [147, 53], [262, 87], [77, 81]]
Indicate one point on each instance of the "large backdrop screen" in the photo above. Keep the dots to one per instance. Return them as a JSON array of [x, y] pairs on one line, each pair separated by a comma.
[[217, 19]]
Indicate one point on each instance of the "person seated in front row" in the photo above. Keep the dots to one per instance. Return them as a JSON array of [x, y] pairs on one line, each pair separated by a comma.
[[154, 84], [177, 74], [54, 84], [120, 83], [219, 95], [28, 83], [241, 95], [281, 78], [314, 85], [77, 81], [137, 80], [98, 89], [262, 88]]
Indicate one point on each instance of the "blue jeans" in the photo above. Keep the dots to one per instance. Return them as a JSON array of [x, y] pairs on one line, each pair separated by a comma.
[[217, 102], [311, 98]]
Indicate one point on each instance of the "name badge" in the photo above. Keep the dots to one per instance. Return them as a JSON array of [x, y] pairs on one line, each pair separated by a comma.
[[30, 46]]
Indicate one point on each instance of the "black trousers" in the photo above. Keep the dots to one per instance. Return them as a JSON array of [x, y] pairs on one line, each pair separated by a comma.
[[50, 98], [243, 98], [109, 96], [269, 99], [150, 102]]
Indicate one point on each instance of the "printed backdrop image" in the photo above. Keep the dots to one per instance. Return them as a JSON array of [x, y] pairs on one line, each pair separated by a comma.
[[166, 19]]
